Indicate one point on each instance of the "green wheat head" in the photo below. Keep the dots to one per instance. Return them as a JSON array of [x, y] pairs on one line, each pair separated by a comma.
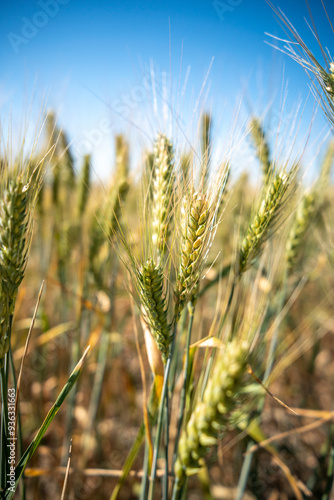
[[162, 192], [301, 223], [15, 232], [262, 224], [122, 157], [210, 417], [326, 170], [84, 185], [154, 305], [261, 145], [19, 192], [195, 219]]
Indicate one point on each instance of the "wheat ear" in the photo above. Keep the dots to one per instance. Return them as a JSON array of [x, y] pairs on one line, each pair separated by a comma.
[[210, 416], [154, 305], [262, 224], [262, 147], [15, 232], [162, 191], [303, 216], [84, 185], [194, 235]]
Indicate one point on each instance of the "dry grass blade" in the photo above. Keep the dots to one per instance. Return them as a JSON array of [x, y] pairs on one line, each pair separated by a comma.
[[298, 430], [251, 372], [67, 472], [32, 472]]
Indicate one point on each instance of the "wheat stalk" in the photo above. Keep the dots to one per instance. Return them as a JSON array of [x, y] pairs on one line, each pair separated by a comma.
[[4, 323], [205, 147]]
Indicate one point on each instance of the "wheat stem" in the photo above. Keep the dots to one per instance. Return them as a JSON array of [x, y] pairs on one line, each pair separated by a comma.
[[160, 416], [191, 313]]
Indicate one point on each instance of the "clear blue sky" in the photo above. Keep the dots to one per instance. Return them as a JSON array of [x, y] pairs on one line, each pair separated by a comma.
[[93, 60]]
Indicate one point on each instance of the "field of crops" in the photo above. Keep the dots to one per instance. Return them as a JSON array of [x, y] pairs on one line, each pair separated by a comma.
[[168, 333]]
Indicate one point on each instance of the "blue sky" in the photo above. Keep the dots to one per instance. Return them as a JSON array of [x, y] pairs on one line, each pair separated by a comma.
[[95, 61]]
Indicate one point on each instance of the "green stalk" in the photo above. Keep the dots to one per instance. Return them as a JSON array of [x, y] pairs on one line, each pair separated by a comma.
[[245, 469], [161, 415], [4, 427], [19, 423], [4, 413], [144, 483], [330, 469], [176, 490], [159, 429], [191, 310], [177, 350], [165, 479], [180, 493]]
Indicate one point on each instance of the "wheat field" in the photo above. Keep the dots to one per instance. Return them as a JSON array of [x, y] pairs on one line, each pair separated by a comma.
[[167, 333]]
